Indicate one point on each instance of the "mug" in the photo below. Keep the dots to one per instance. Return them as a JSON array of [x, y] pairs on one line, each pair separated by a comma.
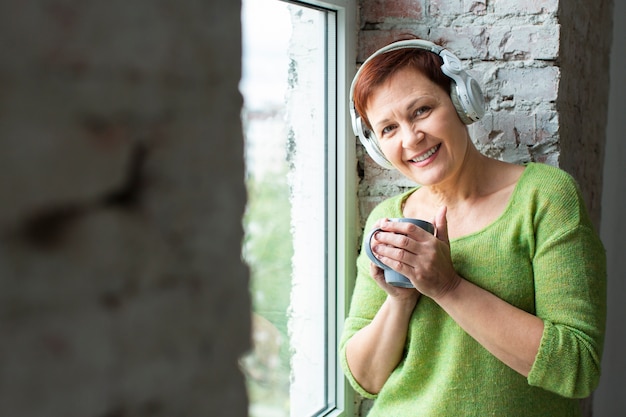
[[392, 277]]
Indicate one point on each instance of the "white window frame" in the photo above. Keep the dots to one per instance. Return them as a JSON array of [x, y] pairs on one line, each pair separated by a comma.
[[343, 241], [342, 227], [335, 397]]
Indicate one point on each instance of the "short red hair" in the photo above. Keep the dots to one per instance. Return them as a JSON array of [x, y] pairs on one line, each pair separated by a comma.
[[376, 71]]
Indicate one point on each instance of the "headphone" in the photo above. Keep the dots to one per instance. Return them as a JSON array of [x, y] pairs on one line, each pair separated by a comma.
[[465, 93]]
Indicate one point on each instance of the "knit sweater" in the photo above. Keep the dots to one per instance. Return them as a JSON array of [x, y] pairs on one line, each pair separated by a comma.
[[541, 255]]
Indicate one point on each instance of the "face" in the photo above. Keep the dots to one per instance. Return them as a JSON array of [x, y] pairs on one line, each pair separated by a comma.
[[417, 127]]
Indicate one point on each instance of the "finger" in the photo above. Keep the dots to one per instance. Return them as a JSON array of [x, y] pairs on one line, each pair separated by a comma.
[[376, 272], [380, 222], [378, 275], [441, 225]]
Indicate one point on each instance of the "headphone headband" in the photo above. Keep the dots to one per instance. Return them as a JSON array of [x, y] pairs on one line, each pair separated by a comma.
[[465, 93]]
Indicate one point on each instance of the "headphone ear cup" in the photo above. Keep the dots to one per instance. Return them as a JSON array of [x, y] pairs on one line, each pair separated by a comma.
[[465, 92], [460, 107], [370, 143]]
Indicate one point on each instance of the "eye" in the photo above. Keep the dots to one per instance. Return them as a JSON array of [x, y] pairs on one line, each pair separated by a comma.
[[387, 130], [423, 110]]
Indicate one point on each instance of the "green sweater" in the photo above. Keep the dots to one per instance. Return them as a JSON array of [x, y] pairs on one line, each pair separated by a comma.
[[541, 255]]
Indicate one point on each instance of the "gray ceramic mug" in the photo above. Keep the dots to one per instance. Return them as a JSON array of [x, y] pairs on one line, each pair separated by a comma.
[[392, 277]]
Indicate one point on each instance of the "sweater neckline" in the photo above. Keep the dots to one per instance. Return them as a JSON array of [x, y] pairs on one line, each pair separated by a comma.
[[503, 215]]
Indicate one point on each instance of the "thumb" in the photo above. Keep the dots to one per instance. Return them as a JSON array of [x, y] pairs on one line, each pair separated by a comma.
[[441, 225]]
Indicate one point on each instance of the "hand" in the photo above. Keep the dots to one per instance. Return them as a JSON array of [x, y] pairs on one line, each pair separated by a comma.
[[409, 295], [423, 258]]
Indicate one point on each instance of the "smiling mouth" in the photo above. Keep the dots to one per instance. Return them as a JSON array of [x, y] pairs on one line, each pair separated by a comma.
[[427, 154]]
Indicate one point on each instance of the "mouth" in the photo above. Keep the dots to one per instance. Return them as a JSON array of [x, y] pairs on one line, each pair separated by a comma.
[[426, 154]]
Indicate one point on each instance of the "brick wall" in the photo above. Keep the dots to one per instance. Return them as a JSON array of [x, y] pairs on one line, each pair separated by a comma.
[[122, 292], [543, 65], [528, 56]]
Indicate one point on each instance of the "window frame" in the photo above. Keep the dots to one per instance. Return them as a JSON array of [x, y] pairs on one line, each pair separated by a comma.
[[340, 185], [341, 205]]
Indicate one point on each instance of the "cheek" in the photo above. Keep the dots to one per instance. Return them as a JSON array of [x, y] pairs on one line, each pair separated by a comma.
[[390, 148], [454, 130]]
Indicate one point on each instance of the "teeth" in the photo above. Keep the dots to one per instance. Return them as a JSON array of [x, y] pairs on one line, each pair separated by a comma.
[[426, 155]]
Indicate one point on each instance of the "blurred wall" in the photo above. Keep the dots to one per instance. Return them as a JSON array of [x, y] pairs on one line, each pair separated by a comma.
[[610, 398], [122, 292]]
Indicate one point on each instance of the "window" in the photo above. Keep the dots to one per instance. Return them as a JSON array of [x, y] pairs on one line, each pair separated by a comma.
[[300, 222]]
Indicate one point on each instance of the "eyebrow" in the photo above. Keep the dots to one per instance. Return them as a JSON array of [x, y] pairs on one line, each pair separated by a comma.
[[407, 108]]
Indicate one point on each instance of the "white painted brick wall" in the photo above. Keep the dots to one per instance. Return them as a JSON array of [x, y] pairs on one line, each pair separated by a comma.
[[512, 47]]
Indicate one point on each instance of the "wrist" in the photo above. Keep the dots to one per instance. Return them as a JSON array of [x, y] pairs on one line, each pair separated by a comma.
[[403, 304], [450, 289]]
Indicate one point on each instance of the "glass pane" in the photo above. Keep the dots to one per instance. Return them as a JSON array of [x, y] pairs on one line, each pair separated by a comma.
[[306, 113], [284, 85]]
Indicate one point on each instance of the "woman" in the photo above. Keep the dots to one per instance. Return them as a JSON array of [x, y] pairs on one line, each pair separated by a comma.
[[508, 310]]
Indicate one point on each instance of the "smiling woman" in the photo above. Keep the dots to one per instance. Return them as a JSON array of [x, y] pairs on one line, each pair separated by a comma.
[[511, 242]]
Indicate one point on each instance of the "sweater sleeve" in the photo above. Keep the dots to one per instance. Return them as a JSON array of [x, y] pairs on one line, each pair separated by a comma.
[[366, 301], [570, 294], [367, 297]]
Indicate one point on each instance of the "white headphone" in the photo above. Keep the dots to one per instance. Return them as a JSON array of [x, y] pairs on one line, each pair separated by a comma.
[[465, 93]]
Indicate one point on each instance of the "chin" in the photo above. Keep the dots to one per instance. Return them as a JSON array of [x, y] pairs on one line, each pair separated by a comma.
[[422, 176]]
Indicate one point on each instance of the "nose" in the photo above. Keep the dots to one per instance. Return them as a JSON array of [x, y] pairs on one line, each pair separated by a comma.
[[411, 136]]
